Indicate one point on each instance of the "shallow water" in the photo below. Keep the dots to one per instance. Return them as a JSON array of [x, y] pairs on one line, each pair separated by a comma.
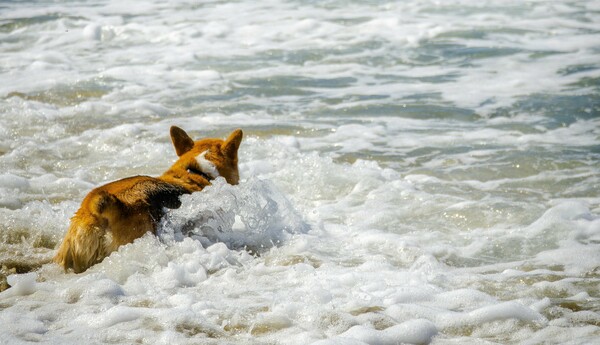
[[417, 172]]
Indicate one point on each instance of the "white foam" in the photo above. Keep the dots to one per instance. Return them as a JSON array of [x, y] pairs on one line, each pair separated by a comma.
[[21, 285], [252, 214], [93, 32], [410, 332]]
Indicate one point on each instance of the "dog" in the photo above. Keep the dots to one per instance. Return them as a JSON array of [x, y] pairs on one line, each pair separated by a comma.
[[119, 212]]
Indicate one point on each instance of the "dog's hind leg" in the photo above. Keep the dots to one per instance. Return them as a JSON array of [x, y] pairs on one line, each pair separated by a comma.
[[88, 239], [82, 248]]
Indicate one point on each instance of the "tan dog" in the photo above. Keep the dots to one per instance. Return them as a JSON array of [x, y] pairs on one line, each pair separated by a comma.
[[119, 212]]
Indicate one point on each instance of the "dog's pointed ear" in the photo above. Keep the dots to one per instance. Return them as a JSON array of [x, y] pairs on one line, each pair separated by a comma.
[[232, 143], [181, 140]]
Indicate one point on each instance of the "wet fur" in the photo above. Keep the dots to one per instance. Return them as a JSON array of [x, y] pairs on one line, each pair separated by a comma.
[[119, 212]]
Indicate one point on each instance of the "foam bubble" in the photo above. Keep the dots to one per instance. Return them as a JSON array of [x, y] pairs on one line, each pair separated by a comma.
[[11, 181], [23, 284], [92, 31], [410, 332]]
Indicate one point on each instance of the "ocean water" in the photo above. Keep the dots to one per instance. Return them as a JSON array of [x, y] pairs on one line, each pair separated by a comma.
[[412, 172]]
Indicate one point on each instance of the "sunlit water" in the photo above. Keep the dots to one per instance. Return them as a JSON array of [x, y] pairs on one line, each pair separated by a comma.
[[413, 171]]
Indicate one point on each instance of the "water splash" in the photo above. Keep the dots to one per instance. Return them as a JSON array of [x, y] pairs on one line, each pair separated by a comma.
[[253, 215]]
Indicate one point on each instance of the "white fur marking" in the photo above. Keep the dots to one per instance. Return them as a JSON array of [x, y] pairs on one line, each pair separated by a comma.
[[207, 166]]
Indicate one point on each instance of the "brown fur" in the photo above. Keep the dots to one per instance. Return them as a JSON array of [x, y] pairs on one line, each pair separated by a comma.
[[121, 211]]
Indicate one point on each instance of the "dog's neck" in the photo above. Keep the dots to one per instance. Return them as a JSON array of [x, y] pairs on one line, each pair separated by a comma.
[[191, 183]]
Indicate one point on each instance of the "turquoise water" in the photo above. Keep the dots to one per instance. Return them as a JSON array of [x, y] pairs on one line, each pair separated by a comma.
[[418, 171]]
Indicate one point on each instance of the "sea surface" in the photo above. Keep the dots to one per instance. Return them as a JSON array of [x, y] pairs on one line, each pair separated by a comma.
[[420, 171]]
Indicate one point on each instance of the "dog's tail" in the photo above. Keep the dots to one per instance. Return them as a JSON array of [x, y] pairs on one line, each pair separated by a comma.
[[88, 240]]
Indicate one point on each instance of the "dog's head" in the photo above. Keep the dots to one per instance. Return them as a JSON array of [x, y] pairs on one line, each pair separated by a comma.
[[204, 160]]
